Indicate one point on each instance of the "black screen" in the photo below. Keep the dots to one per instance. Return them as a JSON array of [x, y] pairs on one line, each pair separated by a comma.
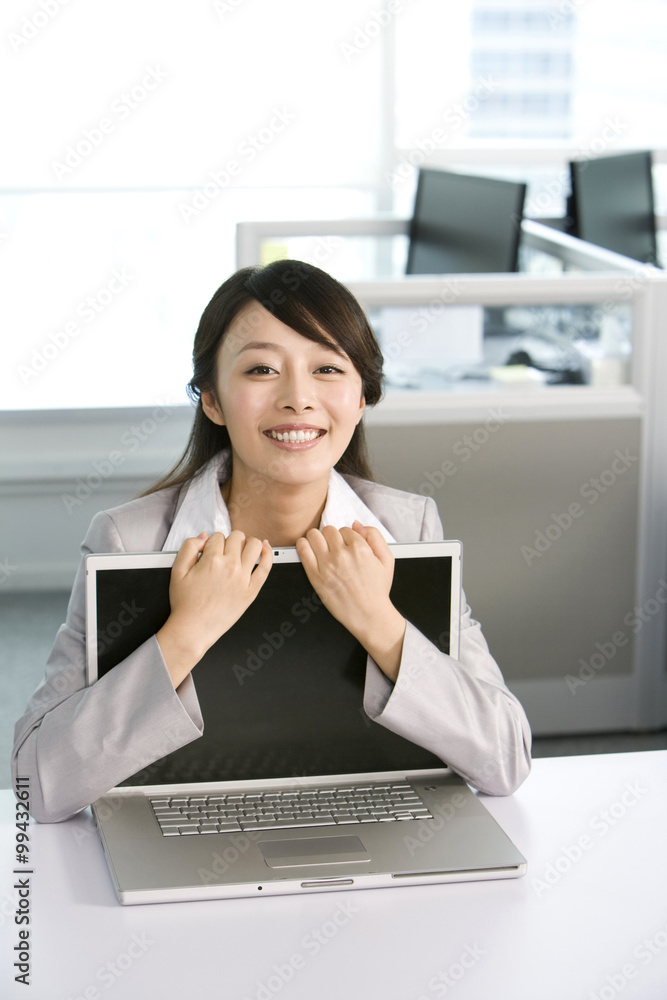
[[281, 692], [612, 204], [465, 224]]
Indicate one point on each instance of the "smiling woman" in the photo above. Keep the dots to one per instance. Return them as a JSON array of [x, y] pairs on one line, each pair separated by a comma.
[[285, 364], [290, 405], [257, 319]]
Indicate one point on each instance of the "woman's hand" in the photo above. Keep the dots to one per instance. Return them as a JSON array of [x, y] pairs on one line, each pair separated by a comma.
[[212, 583], [351, 570]]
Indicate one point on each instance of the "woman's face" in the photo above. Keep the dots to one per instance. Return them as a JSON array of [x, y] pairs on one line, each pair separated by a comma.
[[290, 405]]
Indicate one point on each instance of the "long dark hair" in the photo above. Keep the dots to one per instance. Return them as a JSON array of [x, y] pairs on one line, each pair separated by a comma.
[[310, 302]]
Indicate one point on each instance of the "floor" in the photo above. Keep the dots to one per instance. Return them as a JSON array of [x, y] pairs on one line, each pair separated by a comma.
[[29, 622]]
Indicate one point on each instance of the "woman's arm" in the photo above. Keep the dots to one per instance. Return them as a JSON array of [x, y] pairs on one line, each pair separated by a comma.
[[74, 742], [459, 709]]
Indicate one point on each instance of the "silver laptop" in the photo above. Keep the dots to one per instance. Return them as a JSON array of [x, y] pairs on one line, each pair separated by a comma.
[[291, 788]]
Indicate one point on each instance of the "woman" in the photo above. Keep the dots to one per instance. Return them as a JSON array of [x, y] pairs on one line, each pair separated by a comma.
[[285, 363]]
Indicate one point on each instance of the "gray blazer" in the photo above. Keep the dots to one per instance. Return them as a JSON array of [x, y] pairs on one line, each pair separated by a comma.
[[75, 743]]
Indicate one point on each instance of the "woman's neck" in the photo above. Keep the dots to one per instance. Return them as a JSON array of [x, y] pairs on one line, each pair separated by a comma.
[[274, 511]]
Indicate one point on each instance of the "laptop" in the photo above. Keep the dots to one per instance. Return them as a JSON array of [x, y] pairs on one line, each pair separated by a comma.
[[292, 788]]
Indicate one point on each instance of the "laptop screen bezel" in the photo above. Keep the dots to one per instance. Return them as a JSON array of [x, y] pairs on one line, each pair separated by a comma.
[[96, 562]]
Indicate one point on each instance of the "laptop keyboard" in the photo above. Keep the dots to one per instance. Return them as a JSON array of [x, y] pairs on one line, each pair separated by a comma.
[[182, 815]]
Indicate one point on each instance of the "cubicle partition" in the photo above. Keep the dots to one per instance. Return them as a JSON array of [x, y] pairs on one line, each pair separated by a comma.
[[558, 494], [558, 491]]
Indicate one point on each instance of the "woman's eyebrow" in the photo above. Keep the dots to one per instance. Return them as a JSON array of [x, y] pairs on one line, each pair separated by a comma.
[[258, 345], [264, 345]]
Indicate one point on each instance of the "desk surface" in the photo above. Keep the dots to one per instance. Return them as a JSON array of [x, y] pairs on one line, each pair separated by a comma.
[[589, 920]]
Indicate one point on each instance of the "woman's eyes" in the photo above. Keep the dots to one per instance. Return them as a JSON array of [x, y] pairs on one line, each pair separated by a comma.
[[267, 370]]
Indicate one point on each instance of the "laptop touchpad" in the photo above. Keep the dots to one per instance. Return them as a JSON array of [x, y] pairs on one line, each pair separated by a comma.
[[312, 851]]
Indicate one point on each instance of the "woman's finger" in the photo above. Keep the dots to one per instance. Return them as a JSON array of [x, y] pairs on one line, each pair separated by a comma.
[[376, 541], [262, 569], [308, 558], [187, 555], [317, 544], [251, 551]]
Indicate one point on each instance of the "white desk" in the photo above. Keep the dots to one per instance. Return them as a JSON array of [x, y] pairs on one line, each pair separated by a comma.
[[593, 924]]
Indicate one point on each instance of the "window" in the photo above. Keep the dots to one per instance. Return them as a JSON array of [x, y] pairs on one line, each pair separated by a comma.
[[138, 134]]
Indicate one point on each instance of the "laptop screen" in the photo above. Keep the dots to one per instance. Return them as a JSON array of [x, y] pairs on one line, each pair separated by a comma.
[[281, 692]]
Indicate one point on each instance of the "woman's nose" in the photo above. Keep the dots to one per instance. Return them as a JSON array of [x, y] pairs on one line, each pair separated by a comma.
[[297, 394]]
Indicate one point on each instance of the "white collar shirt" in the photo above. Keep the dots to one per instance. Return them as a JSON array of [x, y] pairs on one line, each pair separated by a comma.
[[203, 508]]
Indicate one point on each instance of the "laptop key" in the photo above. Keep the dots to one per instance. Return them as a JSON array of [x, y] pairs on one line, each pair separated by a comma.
[[259, 824]]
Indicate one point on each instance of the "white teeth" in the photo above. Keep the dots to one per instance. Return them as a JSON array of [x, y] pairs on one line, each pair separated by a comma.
[[294, 437]]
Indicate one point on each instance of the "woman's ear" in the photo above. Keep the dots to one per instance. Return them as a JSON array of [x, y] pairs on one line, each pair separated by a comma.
[[211, 408], [362, 407]]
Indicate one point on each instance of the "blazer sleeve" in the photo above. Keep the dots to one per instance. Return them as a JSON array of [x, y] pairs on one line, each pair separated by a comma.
[[74, 742], [461, 710]]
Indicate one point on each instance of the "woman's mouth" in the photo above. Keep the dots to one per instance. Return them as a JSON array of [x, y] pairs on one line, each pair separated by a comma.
[[291, 437], [295, 436]]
